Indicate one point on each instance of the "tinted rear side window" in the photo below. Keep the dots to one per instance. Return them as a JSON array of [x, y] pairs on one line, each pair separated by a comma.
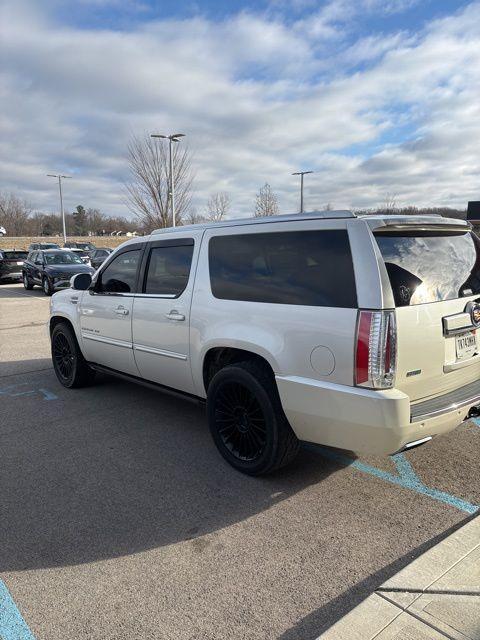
[[430, 267], [302, 267]]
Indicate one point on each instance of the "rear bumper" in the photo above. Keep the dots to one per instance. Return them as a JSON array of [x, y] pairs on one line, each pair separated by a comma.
[[360, 420], [12, 275]]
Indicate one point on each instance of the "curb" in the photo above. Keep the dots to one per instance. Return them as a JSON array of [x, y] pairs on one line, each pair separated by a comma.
[[435, 597]]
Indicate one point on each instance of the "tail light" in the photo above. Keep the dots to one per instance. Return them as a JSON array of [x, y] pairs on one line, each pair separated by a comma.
[[376, 349]]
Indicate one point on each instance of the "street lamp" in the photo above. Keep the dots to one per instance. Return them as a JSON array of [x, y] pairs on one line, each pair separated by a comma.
[[55, 175], [301, 174], [173, 138]]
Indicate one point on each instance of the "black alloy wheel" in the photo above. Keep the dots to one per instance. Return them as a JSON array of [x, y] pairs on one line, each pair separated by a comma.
[[63, 355], [47, 287], [70, 366], [240, 421], [247, 421]]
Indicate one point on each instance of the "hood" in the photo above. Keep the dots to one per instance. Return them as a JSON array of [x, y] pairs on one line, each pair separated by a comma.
[[68, 269]]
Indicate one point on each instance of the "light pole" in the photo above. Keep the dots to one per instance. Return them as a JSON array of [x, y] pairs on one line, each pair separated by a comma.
[[173, 138], [301, 174], [59, 176]]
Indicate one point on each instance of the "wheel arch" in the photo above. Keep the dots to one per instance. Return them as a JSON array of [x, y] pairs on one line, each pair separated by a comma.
[[219, 356]]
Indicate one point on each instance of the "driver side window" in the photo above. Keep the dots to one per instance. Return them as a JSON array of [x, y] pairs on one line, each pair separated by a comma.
[[121, 274]]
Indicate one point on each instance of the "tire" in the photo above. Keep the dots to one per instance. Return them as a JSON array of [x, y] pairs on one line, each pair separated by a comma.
[[247, 421], [26, 282], [69, 364], [46, 286]]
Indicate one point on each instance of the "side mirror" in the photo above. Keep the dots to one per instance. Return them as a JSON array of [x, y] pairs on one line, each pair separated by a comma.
[[81, 281]]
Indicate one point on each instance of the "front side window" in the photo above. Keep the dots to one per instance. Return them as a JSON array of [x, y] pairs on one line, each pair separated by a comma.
[[168, 270], [62, 257], [429, 266], [121, 274], [301, 267]]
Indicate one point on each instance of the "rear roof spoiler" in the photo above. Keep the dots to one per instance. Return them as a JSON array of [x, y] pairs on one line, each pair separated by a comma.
[[416, 223]]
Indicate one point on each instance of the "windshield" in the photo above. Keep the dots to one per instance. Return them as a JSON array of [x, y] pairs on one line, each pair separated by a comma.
[[64, 257], [431, 266], [49, 245], [88, 246]]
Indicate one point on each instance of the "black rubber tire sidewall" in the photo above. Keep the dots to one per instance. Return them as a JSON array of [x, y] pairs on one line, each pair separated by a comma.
[[49, 293]]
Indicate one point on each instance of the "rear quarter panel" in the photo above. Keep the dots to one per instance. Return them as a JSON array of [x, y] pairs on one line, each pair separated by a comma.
[[285, 335]]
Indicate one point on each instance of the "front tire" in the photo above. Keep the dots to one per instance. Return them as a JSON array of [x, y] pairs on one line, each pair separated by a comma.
[[69, 364], [247, 421], [26, 282], [46, 286]]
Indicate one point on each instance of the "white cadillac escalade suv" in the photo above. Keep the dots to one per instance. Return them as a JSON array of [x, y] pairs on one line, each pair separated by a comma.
[[353, 332]]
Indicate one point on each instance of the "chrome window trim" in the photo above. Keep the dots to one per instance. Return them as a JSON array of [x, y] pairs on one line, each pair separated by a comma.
[[168, 296]]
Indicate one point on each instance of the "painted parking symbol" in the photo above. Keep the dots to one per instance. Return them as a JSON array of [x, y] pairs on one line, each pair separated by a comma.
[[405, 477], [12, 624], [17, 390]]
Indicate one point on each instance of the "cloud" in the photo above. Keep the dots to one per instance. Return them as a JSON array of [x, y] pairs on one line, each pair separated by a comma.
[[259, 96]]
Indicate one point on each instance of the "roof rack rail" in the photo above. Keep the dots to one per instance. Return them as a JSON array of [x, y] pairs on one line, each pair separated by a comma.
[[289, 217]]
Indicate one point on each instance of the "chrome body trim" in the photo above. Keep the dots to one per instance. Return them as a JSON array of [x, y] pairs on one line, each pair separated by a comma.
[[159, 352], [113, 341], [434, 407]]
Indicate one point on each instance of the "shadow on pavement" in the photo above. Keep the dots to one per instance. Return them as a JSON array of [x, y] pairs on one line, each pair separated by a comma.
[[116, 469], [317, 622]]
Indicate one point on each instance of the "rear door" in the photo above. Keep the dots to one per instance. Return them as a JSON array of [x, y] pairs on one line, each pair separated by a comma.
[[106, 312], [435, 280], [161, 313]]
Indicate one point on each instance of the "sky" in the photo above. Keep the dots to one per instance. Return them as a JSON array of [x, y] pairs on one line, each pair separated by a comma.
[[380, 98]]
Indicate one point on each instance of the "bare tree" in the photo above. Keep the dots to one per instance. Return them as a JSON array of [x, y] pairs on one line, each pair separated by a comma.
[[266, 203], [218, 206], [14, 214], [390, 205], [148, 191], [193, 217]]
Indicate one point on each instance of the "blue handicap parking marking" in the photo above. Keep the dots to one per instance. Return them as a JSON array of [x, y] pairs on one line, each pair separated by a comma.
[[15, 390], [12, 625], [476, 421], [406, 478]]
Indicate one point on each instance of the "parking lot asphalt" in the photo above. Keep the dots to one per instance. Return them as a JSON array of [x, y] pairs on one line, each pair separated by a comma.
[[120, 520]]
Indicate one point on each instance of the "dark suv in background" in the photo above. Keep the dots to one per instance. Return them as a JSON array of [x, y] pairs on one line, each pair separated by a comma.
[[99, 256], [52, 269], [11, 263]]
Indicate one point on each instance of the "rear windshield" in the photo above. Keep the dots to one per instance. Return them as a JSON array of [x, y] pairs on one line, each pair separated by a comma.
[[431, 266], [13, 255]]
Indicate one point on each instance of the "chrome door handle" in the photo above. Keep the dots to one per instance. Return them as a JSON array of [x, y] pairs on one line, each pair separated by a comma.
[[121, 311], [74, 299], [174, 315]]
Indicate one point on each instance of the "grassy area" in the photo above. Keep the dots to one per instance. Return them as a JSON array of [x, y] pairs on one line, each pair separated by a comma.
[[10, 242]]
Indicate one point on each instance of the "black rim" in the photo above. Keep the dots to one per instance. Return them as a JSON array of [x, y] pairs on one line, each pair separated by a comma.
[[63, 355], [240, 421]]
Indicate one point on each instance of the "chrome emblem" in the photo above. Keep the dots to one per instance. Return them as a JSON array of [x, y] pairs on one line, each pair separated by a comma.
[[473, 308]]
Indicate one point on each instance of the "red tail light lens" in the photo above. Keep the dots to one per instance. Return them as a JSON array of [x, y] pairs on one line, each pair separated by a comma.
[[375, 352]]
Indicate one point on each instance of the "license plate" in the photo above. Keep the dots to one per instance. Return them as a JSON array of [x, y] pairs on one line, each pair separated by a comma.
[[466, 345], [20, 264]]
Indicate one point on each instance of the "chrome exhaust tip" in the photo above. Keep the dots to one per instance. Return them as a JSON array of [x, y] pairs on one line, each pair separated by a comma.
[[413, 444]]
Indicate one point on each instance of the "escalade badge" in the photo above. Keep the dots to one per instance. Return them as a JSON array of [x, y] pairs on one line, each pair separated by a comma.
[[473, 308]]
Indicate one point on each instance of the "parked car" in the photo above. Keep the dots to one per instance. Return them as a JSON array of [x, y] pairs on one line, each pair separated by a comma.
[[52, 269], [40, 246], [86, 246], [354, 332], [3, 231], [99, 256], [81, 253], [11, 263]]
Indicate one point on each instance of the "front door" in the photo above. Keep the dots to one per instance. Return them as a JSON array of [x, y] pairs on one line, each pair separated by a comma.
[[161, 313], [106, 313]]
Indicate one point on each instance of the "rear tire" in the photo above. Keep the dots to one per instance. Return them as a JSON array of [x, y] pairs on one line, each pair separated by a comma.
[[69, 364], [247, 421], [26, 282], [46, 286]]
